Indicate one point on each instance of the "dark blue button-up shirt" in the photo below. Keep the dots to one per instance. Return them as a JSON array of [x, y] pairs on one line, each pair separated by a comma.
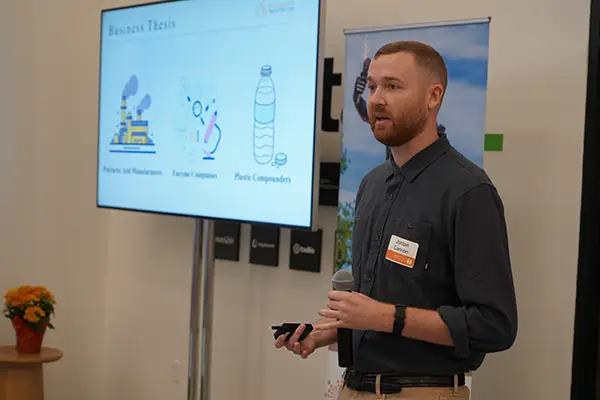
[[448, 206]]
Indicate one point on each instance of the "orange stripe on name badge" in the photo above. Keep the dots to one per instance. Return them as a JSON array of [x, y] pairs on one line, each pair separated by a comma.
[[402, 251], [400, 258]]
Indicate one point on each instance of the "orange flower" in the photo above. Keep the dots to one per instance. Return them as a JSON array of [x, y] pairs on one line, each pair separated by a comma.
[[34, 304], [28, 295], [41, 293], [33, 314], [12, 298]]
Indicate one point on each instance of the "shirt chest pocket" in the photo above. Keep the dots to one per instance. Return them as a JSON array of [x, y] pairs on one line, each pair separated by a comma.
[[406, 254]]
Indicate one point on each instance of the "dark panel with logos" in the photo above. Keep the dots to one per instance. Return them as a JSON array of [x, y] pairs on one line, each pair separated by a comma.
[[305, 250], [264, 245], [329, 184], [227, 240]]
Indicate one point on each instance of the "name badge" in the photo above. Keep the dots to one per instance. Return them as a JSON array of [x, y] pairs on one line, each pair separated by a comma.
[[402, 251]]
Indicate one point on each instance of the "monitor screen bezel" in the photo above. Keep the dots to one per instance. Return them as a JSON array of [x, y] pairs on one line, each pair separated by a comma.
[[316, 139]]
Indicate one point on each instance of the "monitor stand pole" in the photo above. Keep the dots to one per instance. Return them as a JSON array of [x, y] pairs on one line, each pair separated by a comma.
[[201, 312]]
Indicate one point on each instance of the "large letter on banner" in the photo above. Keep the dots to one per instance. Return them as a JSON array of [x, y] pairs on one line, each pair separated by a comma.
[[464, 46]]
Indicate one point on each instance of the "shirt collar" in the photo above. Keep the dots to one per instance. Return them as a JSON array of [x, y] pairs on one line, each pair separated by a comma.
[[420, 161]]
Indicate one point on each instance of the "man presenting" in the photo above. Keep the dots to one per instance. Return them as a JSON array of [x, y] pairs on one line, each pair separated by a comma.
[[433, 287]]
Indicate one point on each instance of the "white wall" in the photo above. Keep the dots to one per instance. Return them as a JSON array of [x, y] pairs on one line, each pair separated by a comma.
[[50, 232], [123, 279]]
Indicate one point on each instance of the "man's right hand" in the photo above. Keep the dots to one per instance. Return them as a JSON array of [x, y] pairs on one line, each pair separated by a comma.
[[304, 348]]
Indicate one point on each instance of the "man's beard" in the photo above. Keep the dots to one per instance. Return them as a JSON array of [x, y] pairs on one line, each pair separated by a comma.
[[399, 131]]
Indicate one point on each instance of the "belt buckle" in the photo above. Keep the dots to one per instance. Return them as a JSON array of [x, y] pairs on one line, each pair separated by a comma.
[[355, 378], [351, 374]]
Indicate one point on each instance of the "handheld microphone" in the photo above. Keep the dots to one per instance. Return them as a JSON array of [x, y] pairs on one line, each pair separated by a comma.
[[343, 281]]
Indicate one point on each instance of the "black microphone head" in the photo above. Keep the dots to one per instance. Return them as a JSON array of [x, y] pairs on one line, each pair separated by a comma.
[[343, 280]]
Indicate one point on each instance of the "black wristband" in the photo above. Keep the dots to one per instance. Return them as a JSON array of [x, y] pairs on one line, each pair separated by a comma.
[[399, 318]]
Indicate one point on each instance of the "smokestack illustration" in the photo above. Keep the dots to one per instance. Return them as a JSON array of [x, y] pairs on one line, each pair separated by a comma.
[[130, 89], [143, 106]]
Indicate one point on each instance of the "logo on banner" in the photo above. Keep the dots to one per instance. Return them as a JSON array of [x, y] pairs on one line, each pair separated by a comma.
[[298, 249], [228, 240], [256, 244]]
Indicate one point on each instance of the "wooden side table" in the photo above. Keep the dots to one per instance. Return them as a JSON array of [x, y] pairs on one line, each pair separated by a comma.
[[22, 375]]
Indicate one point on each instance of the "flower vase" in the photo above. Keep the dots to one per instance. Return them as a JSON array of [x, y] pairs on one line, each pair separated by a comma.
[[29, 340]]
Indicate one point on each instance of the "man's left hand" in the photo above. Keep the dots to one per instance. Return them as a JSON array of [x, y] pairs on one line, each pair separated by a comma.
[[354, 310]]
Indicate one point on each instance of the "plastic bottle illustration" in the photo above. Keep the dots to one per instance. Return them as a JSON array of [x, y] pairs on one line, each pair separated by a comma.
[[264, 117]]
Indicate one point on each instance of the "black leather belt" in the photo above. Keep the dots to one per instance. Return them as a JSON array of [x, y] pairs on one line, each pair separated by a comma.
[[391, 383]]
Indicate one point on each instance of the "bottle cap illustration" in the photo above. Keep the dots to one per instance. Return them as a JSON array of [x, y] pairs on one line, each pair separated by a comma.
[[266, 70], [280, 159]]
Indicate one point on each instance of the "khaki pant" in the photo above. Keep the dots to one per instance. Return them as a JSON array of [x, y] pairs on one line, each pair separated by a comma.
[[445, 393]]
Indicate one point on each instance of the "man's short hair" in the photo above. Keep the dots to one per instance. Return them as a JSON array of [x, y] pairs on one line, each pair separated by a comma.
[[425, 57]]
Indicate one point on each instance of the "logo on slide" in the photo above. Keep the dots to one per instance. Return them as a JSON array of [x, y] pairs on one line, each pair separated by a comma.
[[264, 121], [133, 135], [206, 138], [265, 8]]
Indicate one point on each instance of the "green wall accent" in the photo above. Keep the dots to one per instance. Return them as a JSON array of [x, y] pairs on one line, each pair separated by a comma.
[[493, 142]]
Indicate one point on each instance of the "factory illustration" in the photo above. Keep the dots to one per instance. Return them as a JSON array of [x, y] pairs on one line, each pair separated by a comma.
[[133, 135]]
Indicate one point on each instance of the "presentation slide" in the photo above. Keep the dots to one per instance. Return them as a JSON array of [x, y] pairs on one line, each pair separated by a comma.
[[207, 109]]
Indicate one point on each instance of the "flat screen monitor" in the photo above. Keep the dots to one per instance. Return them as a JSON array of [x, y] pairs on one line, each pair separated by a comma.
[[208, 109]]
